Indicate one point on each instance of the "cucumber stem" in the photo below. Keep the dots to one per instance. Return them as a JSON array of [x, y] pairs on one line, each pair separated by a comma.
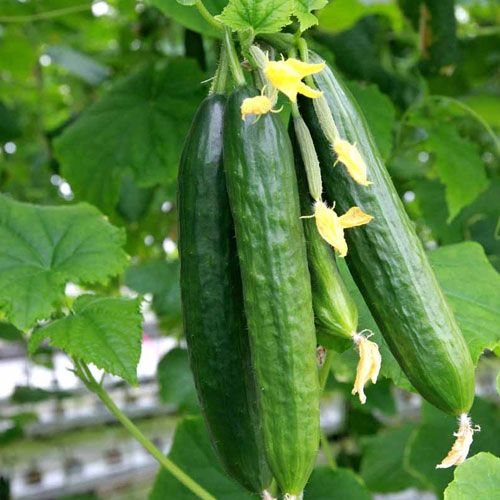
[[324, 371], [220, 79], [327, 451], [207, 16], [85, 375], [232, 56]]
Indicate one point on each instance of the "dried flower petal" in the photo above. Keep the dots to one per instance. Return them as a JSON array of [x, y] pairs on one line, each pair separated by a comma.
[[349, 155], [461, 446], [368, 365], [330, 228], [354, 217], [258, 105]]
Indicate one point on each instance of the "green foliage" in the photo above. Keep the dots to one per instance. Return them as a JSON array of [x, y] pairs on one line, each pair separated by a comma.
[[43, 248], [176, 381], [303, 10], [335, 484], [259, 16], [26, 394], [190, 17], [104, 331], [193, 452], [476, 305], [433, 438], [139, 124], [478, 477], [379, 112]]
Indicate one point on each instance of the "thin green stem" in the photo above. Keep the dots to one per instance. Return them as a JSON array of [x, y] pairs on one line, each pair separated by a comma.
[[43, 16], [324, 371], [82, 370], [220, 78], [304, 56], [327, 451], [232, 56], [207, 16]]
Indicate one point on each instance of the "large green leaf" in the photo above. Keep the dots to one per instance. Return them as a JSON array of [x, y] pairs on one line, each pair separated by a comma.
[[432, 440], [104, 331], [335, 484], [175, 380], [189, 16], [459, 166], [192, 452], [303, 13], [259, 16], [477, 478], [139, 124], [382, 465], [342, 14], [472, 286], [43, 248]]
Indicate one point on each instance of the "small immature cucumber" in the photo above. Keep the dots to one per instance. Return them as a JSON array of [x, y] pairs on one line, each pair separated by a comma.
[[212, 303], [335, 311], [389, 264], [262, 187]]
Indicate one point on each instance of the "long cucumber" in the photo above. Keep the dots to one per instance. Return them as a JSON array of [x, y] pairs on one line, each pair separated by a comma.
[[389, 264], [212, 303], [264, 202]]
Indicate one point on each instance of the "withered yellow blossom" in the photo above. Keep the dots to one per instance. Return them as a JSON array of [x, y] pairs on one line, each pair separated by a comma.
[[349, 155], [331, 226], [461, 446], [368, 365], [286, 76], [258, 105]]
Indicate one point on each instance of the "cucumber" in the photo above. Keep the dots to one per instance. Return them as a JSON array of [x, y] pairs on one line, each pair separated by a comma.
[[389, 264], [264, 201], [212, 303], [335, 311]]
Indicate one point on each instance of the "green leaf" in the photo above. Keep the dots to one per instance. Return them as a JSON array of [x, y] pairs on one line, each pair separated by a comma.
[[176, 381], [458, 165], [382, 465], [379, 113], [104, 331], [260, 16], [26, 394], [189, 17], [139, 124], [10, 333], [477, 478], [432, 440], [335, 484], [342, 14], [43, 248], [192, 452], [472, 286], [302, 12], [161, 278]]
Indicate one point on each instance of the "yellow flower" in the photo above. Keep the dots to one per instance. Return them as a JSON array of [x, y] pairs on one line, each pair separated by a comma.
[[461, 446], [258, 105], [349, 155], [331, 226], [368, 365], [287, 76]]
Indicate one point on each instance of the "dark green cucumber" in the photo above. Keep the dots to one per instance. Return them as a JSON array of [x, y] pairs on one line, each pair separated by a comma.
[[212, 302], [335, 311], [262, 189], [389, 264]]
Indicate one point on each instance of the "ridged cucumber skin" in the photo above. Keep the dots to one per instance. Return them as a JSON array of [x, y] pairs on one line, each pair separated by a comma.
[[212, 302], [264, 201], [389, 264], [335, 311]]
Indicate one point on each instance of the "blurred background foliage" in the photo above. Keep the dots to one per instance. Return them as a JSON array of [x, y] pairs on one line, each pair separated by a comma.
[[95, 98]]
